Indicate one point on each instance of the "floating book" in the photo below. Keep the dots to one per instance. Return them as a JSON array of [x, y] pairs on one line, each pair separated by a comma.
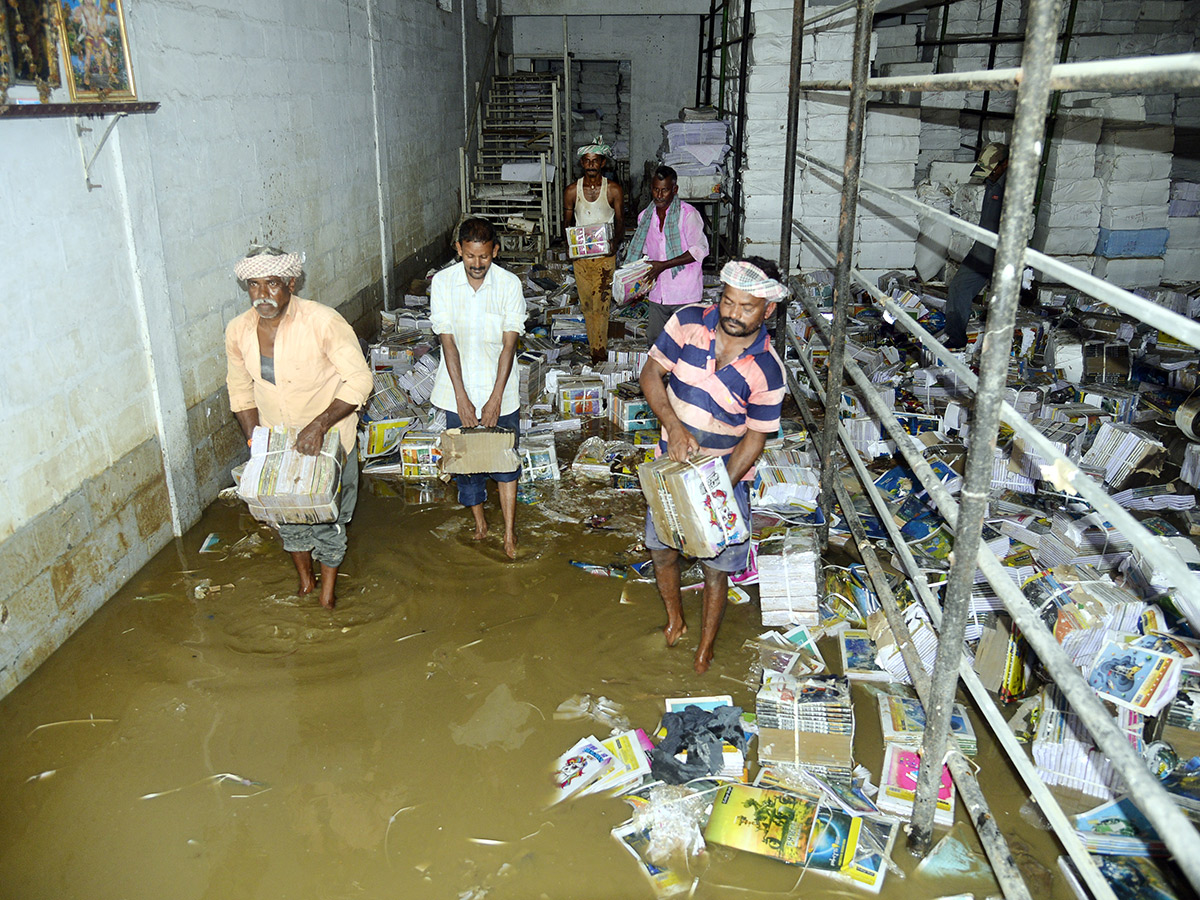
[[579, 767]]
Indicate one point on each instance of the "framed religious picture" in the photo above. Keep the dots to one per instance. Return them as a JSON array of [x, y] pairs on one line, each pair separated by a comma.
[[28, 54], [96, 49]]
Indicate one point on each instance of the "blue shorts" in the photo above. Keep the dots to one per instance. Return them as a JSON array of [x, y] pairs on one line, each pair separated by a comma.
[[734, 557], [472, 489]]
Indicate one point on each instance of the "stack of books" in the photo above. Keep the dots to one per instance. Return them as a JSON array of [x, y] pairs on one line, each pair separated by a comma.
[[1118, 828], [788, 577], [898, 786], [629, 410], [1087, 541], [539, 459], [1065, 755], [787, 478], [581, 395], [579, 768], [1120, 450], [531, 372], [692, 505], [589, 240], [807, 722], [903, 722], [283, 486]]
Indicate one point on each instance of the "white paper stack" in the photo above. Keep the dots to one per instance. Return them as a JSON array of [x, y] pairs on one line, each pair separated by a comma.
[[788, 578], [1120, 450], [1067, 438], [787, 478], [1088, 540], [1068, 221], [1065, 755]]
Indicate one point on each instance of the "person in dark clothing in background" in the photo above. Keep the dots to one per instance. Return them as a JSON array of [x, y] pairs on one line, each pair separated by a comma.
[[976, 268]]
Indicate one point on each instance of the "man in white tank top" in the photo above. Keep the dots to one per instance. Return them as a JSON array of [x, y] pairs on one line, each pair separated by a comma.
[[591, 200]]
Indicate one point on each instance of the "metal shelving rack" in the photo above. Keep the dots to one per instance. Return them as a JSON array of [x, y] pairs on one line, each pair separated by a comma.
[[1033, 82]]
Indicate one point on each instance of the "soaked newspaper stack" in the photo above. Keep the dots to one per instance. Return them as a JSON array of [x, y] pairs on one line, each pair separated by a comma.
[[807, 721], [284, 486], [788, 578]]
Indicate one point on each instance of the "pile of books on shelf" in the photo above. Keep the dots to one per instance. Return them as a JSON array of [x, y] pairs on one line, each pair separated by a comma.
[[806, 721], [788, 577]]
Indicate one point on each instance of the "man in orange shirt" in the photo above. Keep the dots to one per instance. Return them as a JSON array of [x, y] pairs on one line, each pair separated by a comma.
[[296, 363]]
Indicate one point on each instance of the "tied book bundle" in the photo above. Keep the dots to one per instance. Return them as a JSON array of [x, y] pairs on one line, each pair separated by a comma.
[[283, 486], [585, 241], [630, 282], [466, 451], [692, 504]]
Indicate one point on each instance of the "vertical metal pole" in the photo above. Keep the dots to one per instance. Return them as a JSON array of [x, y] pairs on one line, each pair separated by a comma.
[[845, 249], [724, 56], [566, 91], [1016, 219], [789, 155], [991, 64], [739, 139]]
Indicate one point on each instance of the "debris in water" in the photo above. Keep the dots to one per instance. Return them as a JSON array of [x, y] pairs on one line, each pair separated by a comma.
[[221, 776], [88, 721]]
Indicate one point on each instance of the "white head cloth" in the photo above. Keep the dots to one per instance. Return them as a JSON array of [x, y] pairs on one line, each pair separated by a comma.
[[269, 264], [750, 278]]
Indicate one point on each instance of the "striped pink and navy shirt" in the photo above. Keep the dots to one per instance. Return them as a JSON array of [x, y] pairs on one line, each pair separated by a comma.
[[718, 406]]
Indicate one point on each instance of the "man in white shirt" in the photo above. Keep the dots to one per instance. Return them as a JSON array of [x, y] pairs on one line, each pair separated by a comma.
[[478, 312]]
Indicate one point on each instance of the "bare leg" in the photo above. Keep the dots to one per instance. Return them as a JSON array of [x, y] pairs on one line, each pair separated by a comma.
[[328, 585], [508, 508], [716, 593], [666, 574], [481, 528], [304, 568]]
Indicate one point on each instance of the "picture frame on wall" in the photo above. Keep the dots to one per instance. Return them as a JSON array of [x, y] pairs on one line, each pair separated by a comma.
[[96, 48], [29, 31]]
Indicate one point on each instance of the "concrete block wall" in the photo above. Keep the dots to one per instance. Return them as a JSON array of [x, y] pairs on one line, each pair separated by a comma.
[[886, 233], [116, 422]]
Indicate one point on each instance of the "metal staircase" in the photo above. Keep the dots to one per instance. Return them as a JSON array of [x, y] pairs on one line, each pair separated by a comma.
[[521, 126]]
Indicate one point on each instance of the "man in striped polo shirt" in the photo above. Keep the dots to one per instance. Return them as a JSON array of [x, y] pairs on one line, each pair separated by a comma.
[[723, 392]]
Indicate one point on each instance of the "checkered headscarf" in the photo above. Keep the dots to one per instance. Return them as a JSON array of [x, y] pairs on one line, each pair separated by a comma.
[[597, 147], [268, 262], [748, 277]]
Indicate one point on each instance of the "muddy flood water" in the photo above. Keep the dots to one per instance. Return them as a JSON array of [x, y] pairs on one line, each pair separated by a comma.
[[207, 734]]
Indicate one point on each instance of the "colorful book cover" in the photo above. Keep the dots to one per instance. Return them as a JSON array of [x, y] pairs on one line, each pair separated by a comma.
[[858, 656], [579, 767], [898, 789], [833, 841], [766, 822], [903, 720], [1137, 679], [1135, 878], [629, 763], [1118, 828], [666, 882]]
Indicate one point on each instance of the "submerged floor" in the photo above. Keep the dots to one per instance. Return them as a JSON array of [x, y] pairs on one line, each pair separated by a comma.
[[399, 746]]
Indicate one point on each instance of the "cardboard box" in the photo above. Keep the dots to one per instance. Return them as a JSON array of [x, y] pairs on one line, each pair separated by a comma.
[[467, 451], [692, 504]]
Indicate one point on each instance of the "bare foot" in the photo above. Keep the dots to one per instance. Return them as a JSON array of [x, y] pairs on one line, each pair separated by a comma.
[[307, 586], [673, 631], [481, 531], [328, 602], [703, 659], [329, 576], [510, 546]]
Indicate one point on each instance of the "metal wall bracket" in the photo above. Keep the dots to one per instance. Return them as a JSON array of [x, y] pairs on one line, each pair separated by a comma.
[[80, 131]]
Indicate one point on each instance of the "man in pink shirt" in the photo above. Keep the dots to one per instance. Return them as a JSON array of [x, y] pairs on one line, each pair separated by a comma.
[[670, 233]]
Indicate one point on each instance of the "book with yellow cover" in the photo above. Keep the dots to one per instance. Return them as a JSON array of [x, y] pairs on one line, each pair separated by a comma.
[[766, 822]]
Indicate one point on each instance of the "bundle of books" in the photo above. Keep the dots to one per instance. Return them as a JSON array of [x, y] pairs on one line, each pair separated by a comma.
[[388, 400], [539, 459], [807, 722], [903, 722], [788, 577], [531, 372], [589, 240], [417, 382], [692, 505], [420, 455], [1088, 540], [284, 486], [568, 327], [787, 478], [1065, 755], [898, 786], [629, 410], [1118, 828], [581, 395], [1120, 450]]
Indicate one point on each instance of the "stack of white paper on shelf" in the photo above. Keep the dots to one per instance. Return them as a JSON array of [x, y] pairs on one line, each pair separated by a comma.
[[787, 577]]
